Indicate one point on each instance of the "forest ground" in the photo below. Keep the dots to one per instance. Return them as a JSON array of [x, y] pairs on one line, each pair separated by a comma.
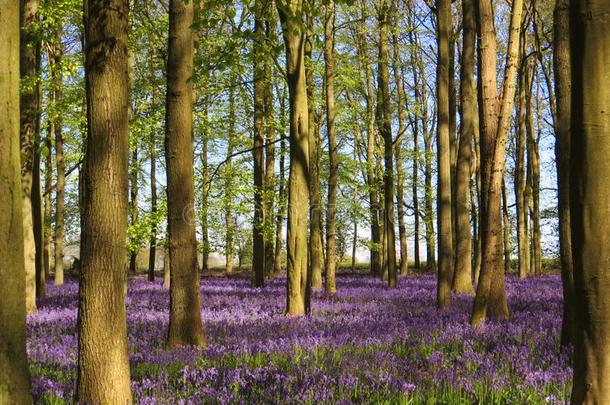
[[368, 344]]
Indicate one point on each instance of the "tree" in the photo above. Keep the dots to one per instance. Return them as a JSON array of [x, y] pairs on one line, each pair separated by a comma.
[[561, 59], [185, 325], [299, 281], [333, 153], [258, 232], [462, 277], [496, 111], [589, 177], [14, 372], [29, 110], [103, 361], [445, 233], [384, 124]]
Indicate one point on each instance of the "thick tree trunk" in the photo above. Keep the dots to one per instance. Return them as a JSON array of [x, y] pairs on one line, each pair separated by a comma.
[[258, 152], [462, 278], [490, 297], [29, 106], [103, 361], [185, 325], [384, 124], [589, 180], [299, 278], [445, 233], [562, 69], [333, 153], [14, 373]]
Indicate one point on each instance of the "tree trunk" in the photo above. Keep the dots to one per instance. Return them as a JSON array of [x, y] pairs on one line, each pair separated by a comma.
[[185, 325], [506, 230], [152, 251], [228, 182], [333, 153], [462, 278], [48, 189], [133, 204], [14, 373], [562, 68], [103, 361], [166, 269], [36, 197], [533, 160], [445, 233], [589, 179], [384, 124], [258, 152], [269, 158], [279, 221], [316, 254], [402, 129], [299, 279], [522, 200], [490, 297], [29, 111]]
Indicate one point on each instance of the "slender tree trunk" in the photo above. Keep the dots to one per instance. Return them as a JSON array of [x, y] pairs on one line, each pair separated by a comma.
[[269, 157], [333, 153], [520, 174], [14, 373], [562, 70], [133, 204], [228, 182], [48, 208], [506, 230], [29, 110], [299, 276], [490, 297], [462, 279], [316, 254], [37, 202], [166, 269], [589, 180], [384, 124], [258, 152], [402, 128], [185, 325], [103, 361], [533, 158], [279, 221], [152, 251], [445, 233]]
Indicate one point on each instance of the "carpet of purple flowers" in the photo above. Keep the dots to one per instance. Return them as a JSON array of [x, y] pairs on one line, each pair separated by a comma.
[[369, 344]]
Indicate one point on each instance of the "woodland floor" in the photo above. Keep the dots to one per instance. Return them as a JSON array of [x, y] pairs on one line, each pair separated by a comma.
[[367, 345]]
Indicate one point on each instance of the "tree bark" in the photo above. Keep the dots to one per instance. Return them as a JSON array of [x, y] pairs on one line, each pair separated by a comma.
[[258, 153], [228, 182], [398, 145], [384, 124], [589, 180], [333, 153], [533, 161], [490, 297], [103, 361], [279, 221], [445, 233], [152, 251], [506, 230], [29, 111], [185, 325], [562, 70], [462, 278], [299, 277], [14, 373]]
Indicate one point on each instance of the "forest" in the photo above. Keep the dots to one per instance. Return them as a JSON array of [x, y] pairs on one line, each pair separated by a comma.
[[304, 202]]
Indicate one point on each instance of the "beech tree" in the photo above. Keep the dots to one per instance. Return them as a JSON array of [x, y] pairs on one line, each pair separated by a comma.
[[299, 280], [103, 361], [185, 325], [589, 174], [14, 372]]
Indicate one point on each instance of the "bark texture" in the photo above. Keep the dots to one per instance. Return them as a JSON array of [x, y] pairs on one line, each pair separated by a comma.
[[589, 179], [185, 325], [14, 373], [103, 361]]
